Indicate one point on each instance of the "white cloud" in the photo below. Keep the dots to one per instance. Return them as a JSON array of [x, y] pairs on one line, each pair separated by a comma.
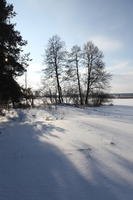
[[106, 43], [118, 66], [34, 75], [122, 79], [122, 83], [130, 73]]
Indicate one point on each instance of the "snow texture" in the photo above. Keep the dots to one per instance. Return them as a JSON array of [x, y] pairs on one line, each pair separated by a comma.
[[67, 153]]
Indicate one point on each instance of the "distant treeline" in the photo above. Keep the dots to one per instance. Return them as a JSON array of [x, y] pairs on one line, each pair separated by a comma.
[[122, 95]]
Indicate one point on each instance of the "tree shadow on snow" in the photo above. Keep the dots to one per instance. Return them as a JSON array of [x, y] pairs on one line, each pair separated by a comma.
[[34, 169], [115, 178], [47, 130]]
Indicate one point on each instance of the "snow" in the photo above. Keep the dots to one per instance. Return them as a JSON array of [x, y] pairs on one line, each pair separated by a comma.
[[123, 102], [67, 153]]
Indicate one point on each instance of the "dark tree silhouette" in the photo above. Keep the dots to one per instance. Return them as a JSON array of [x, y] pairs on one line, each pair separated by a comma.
[[12, 62]]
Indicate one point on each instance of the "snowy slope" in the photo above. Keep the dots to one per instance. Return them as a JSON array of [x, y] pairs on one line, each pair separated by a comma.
[[67, 153]]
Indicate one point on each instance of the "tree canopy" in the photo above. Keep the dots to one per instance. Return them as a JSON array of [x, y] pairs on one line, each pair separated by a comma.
[[13, 61]]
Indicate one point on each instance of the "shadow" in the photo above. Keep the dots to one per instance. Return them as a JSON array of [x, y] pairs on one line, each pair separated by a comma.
[[116, 177], [45, 130], [36, 170], [123, 162], [120, 113], [33, 169]]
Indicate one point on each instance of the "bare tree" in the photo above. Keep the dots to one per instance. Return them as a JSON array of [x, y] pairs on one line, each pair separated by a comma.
[[55, 60], [73, 68], [97, 78], [76, 82]]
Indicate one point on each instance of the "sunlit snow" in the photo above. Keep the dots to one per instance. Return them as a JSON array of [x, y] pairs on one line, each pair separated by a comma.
[[67, 153]]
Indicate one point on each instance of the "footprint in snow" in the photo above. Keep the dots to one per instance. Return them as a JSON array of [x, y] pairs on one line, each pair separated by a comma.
[[84, 149], [112, 143]]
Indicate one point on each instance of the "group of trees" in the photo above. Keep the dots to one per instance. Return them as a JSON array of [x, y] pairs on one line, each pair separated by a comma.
[[13, 62], [79, 73]]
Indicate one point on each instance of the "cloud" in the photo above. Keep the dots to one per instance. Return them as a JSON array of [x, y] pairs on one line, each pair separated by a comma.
[[106, 43], [130, 73], [122, 83], [118, 66], [122, 79], [34, 75]]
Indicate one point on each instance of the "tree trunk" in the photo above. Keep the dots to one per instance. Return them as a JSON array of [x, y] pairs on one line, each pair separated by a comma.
[[58, 85], [90, 60], [80, 94], [88, 85]]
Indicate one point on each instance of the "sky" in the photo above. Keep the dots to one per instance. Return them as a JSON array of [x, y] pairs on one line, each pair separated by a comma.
[[108, 23]]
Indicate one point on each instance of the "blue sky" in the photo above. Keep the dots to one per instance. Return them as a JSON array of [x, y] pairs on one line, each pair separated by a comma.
[[108, 23]]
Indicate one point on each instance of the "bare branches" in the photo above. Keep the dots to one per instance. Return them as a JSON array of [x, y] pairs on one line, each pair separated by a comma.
[[97, 77], [81, 70], [55, 59]]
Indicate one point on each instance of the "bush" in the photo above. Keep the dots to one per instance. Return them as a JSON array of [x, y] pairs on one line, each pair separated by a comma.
[[100, 98]]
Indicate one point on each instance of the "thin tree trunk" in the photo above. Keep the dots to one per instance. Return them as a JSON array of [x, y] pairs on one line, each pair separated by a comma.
[[87, 93], [58, 85], [90, 60], [81, 100], [58, 88], [88, 85]]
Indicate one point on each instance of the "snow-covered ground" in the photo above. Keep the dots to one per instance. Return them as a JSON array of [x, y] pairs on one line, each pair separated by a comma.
[[67, 153], [123, 102]]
